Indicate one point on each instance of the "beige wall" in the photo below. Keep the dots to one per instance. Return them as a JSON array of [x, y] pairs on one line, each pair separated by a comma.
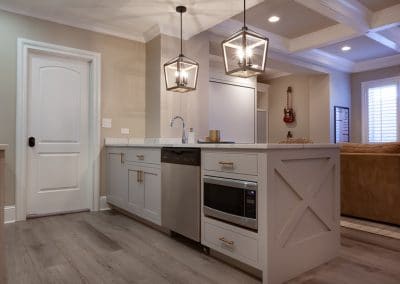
[[153, 87], [319, 108], [277, 129], [356, 80], [340, 95], [123, 76], [162, 105]]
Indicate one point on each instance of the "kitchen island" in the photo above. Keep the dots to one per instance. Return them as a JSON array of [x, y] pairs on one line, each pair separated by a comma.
[[3, 149], [297, 199]]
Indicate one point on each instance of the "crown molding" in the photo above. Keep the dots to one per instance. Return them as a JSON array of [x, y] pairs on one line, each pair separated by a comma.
[[96, 29], [377, 63]]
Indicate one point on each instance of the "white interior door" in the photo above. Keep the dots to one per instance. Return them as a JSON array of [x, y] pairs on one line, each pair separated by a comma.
[[58, 113], [232, 110]]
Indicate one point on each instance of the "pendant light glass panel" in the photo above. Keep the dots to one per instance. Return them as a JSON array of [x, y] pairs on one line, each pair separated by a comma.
[[181, 74], [245, 53]]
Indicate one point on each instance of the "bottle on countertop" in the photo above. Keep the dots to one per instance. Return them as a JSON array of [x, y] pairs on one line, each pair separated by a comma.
[[191, 136]]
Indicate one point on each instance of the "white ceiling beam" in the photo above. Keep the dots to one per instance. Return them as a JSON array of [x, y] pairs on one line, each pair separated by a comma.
[[386, 18], [324, 37], [395, 45], [323, 58], [382, 62], [354, 15], [348, 12]]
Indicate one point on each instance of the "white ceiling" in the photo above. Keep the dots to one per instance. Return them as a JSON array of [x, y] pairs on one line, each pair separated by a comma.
[[134, 19]]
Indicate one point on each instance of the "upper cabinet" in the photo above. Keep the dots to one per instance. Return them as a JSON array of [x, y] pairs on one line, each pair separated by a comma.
[[232, 110]]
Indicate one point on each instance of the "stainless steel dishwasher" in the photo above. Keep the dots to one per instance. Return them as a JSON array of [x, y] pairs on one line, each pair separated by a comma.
[[180, 171]]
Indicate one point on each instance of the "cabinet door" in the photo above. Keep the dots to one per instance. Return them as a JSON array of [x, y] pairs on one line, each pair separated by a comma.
[[135, 191], [117, 179], [152, 194], [232, 110]]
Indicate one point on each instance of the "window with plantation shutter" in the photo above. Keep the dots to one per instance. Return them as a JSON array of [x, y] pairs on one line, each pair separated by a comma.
[[381, 111]]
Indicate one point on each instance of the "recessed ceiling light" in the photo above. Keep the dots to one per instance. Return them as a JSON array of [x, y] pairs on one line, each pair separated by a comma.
[[273, 19], [346, 48]]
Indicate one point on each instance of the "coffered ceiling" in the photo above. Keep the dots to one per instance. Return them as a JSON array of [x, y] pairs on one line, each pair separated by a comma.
[[310, 33], [313, 32]]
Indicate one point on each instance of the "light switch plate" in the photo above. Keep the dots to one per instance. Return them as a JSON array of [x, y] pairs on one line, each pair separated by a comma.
[[124, 130], [106, 122]]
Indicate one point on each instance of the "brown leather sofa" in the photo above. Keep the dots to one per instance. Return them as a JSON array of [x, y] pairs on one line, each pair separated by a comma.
[[370, 181]]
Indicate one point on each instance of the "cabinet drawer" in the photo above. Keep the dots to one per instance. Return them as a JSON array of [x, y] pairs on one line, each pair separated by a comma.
[[240, 163], [231, 243], [144, 155]]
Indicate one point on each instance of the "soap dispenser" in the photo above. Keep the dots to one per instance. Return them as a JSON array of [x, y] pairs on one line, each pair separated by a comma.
[[191, 136]]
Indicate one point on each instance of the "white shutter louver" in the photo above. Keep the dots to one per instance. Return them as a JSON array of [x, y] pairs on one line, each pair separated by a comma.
[[382, 113]]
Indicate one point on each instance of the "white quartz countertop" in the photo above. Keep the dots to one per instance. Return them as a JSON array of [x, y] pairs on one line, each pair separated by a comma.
[[173, 142]]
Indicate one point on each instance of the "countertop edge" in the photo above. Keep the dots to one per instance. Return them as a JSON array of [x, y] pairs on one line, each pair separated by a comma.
[[228, 146]]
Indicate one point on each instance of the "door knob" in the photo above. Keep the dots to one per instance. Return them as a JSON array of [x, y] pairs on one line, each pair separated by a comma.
[[31, 141]]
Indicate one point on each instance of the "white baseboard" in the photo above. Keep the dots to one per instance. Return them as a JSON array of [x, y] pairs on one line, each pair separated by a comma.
[[103, 203], [9, 214], [9, 211]]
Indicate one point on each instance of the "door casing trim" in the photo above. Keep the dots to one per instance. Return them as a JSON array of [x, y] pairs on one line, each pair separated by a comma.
[[24, 48]]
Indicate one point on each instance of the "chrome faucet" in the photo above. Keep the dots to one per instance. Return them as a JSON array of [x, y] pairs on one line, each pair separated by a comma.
[[184, 136]]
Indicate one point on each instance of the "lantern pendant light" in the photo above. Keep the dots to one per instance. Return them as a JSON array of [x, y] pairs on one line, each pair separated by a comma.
[[181, 72], [245, 52]]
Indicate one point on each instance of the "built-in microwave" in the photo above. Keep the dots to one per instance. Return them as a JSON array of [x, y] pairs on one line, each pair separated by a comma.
[[231, 200]]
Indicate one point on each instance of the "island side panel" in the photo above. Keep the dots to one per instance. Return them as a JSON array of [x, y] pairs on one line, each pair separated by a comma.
[[2, 188], [303, 211]]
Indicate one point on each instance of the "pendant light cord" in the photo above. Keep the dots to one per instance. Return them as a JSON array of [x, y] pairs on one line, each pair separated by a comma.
[[244, 13], [181, 33]]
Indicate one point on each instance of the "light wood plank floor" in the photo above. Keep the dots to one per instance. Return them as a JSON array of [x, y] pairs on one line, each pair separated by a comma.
[[107, 247]]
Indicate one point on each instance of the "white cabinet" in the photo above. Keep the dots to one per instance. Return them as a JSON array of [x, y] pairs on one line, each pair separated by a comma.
[[117, 178], [234, 241], [144, 192], [232, 110], [152, 194], [135, 186]]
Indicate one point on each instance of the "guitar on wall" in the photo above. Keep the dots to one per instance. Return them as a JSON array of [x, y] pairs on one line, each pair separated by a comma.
[[289, 115]]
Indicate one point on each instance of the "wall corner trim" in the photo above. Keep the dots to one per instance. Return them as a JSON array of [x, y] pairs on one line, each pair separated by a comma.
[[9, 214], [103, 203]]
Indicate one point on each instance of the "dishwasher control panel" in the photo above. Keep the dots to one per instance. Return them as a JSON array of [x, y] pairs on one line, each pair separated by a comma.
[[183, 156]]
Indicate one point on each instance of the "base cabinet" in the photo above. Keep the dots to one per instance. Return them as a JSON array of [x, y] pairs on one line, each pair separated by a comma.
[[134, 186], [144, 192], [116, 178]]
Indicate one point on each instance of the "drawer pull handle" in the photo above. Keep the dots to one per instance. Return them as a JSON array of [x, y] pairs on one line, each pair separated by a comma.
[[140, 157], [231, 243], [224, 163], [122, 158]]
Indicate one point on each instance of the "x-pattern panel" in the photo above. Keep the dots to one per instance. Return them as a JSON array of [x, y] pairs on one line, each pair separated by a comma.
[[307, 199]]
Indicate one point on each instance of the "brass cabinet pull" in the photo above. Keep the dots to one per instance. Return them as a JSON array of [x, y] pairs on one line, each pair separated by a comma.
[[122, 158], [222, 239], [141, 176], [140, 157], [138, 176], [224, 163]]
